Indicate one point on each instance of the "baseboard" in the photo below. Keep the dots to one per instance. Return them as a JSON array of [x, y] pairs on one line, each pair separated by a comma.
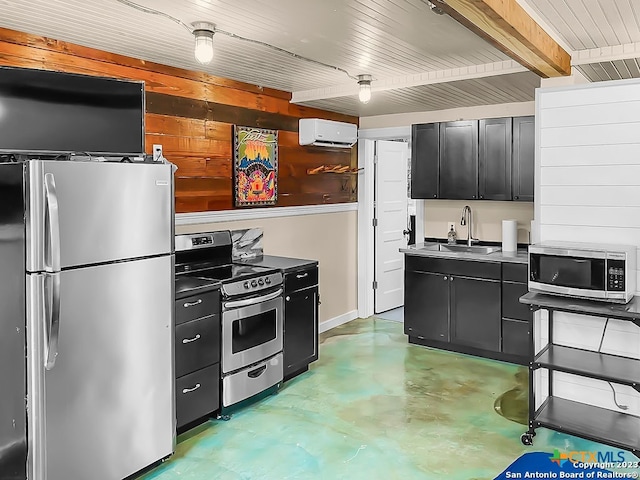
[[337, 321]]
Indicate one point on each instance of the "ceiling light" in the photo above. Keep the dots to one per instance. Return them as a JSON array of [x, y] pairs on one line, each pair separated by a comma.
[[203, 31], [364, 92]]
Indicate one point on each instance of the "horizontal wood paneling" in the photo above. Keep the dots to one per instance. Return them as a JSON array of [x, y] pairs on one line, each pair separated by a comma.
[[192, 114], [566, 155], [589, 191]]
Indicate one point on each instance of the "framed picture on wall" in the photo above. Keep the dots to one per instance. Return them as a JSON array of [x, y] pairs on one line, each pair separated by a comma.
[[255, 166]]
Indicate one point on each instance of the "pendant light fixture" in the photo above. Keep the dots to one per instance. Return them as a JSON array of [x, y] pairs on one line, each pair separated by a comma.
[[364, 92], [203, 31]]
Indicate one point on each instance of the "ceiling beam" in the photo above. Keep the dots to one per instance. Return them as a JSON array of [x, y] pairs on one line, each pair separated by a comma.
[[411, 80], [507, 26]]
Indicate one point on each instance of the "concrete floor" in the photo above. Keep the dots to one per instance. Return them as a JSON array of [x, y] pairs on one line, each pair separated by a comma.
[[373, 407]]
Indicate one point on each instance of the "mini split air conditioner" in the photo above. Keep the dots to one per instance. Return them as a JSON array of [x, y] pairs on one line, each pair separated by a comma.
[[327, 133]]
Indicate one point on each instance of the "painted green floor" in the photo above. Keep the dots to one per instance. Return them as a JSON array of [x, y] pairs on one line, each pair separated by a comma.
[[372, 407]]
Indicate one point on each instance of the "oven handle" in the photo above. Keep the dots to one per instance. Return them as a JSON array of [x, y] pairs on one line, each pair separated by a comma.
[[252, 301]]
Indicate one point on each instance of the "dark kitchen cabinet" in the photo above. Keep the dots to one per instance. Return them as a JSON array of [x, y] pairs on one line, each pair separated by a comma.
[[523, 158], [425, 156], [494, 159], [426, 305], [453, 304], [475, 312], [300, 321], [516, 317], [197, 356], [459, 160]]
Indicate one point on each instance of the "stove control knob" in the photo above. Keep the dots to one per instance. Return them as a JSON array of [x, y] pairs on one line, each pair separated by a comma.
[[254, 284], [246, 285], [261, 281], [267, 280]]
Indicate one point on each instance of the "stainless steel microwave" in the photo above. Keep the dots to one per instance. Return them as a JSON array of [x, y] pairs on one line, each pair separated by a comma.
[[583, 270]]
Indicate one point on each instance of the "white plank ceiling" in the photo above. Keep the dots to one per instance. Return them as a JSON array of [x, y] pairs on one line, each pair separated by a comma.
[[393, 40]]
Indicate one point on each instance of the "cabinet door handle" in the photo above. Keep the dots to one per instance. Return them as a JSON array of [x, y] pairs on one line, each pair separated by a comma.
[[192, 304], [302, 275], [189, 340], [287, 298], [189, 390], [446, 278], [451, 279]]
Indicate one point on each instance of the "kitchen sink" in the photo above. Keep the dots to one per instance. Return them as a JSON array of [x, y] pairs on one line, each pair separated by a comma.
[[481, 249]]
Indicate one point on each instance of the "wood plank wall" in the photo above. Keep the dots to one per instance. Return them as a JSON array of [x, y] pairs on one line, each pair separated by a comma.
[[192, 115], [588, 155]]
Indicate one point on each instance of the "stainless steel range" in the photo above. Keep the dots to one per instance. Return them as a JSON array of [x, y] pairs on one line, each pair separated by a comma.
[[252, 314]]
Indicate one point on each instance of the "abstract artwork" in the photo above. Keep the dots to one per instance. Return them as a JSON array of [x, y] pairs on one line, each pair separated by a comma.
[[255, 166]]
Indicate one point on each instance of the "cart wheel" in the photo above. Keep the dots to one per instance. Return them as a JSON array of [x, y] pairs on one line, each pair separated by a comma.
[[527, 439], [225, 418]]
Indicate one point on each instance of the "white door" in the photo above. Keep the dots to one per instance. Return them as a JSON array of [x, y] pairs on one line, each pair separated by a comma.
[[391, 214]]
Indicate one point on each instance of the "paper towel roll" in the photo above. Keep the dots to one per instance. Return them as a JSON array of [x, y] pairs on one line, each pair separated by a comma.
[[509, 235]]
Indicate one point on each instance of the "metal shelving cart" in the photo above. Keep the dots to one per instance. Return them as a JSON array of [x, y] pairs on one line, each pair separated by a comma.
[[609, 427]]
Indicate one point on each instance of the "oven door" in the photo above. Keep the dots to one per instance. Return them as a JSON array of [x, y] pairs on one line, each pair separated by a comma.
[[251, 330], [581, 274]]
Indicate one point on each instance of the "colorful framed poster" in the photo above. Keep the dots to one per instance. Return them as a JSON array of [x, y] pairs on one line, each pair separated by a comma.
[[255, 166]]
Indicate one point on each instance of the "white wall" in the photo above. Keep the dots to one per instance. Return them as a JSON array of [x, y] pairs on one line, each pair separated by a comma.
[[588, 189], [330, 238]]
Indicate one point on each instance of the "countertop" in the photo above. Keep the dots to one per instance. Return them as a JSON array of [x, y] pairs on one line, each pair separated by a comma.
[[428, 249], [285, 264], [187, 285]]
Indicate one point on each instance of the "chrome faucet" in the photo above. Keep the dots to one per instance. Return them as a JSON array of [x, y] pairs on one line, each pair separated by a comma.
[[466, 212]]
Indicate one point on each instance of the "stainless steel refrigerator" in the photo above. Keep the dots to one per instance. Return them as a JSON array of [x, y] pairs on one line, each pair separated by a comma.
[[86, 319]]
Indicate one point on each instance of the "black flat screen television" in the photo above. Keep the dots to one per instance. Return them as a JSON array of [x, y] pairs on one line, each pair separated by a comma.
[[54, 112]]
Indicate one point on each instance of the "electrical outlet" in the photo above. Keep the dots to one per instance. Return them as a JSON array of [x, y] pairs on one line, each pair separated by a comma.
[[451, 224], [157, 152]]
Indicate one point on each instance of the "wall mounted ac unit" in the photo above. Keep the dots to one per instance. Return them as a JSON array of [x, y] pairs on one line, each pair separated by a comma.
[[327, 133]]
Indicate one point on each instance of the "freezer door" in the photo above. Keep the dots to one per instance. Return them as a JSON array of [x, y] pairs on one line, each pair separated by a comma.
[[103, 211], [109, 398]]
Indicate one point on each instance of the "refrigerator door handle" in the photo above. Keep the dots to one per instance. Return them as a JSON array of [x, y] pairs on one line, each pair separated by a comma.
[[53, 244], [53, 317]]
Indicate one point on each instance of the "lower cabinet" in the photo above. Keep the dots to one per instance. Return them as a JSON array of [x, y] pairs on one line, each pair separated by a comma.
[[426, 305], [197, 357], [516, 317], [300, 321], [448, 302], [475, 312], [467, 306]]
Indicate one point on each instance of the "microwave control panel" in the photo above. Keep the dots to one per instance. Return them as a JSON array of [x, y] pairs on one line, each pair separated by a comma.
[[615, 275]]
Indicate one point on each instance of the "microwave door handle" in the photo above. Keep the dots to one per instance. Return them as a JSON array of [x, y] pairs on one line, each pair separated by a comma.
[[52, 316], [252, 301], [53, 235]]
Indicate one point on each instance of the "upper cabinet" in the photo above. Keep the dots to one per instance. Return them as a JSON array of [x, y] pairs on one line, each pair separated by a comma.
[[458, 160], [425, 151], [488, 159], [494, 161], [523, 158]]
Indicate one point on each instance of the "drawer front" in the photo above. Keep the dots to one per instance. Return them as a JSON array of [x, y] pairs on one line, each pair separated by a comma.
[[515, 272], [197, 306], [251, 381], [511, 307], [197, 344], [464, 268], [516, 337], [301, 279], [197, 394]]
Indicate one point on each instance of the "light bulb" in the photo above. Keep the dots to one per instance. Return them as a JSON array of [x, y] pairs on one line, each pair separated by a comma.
[[364, 88], [204, 42], [364, 94]]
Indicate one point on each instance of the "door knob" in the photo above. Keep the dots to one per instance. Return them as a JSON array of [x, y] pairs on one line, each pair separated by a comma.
[[406, 232]]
